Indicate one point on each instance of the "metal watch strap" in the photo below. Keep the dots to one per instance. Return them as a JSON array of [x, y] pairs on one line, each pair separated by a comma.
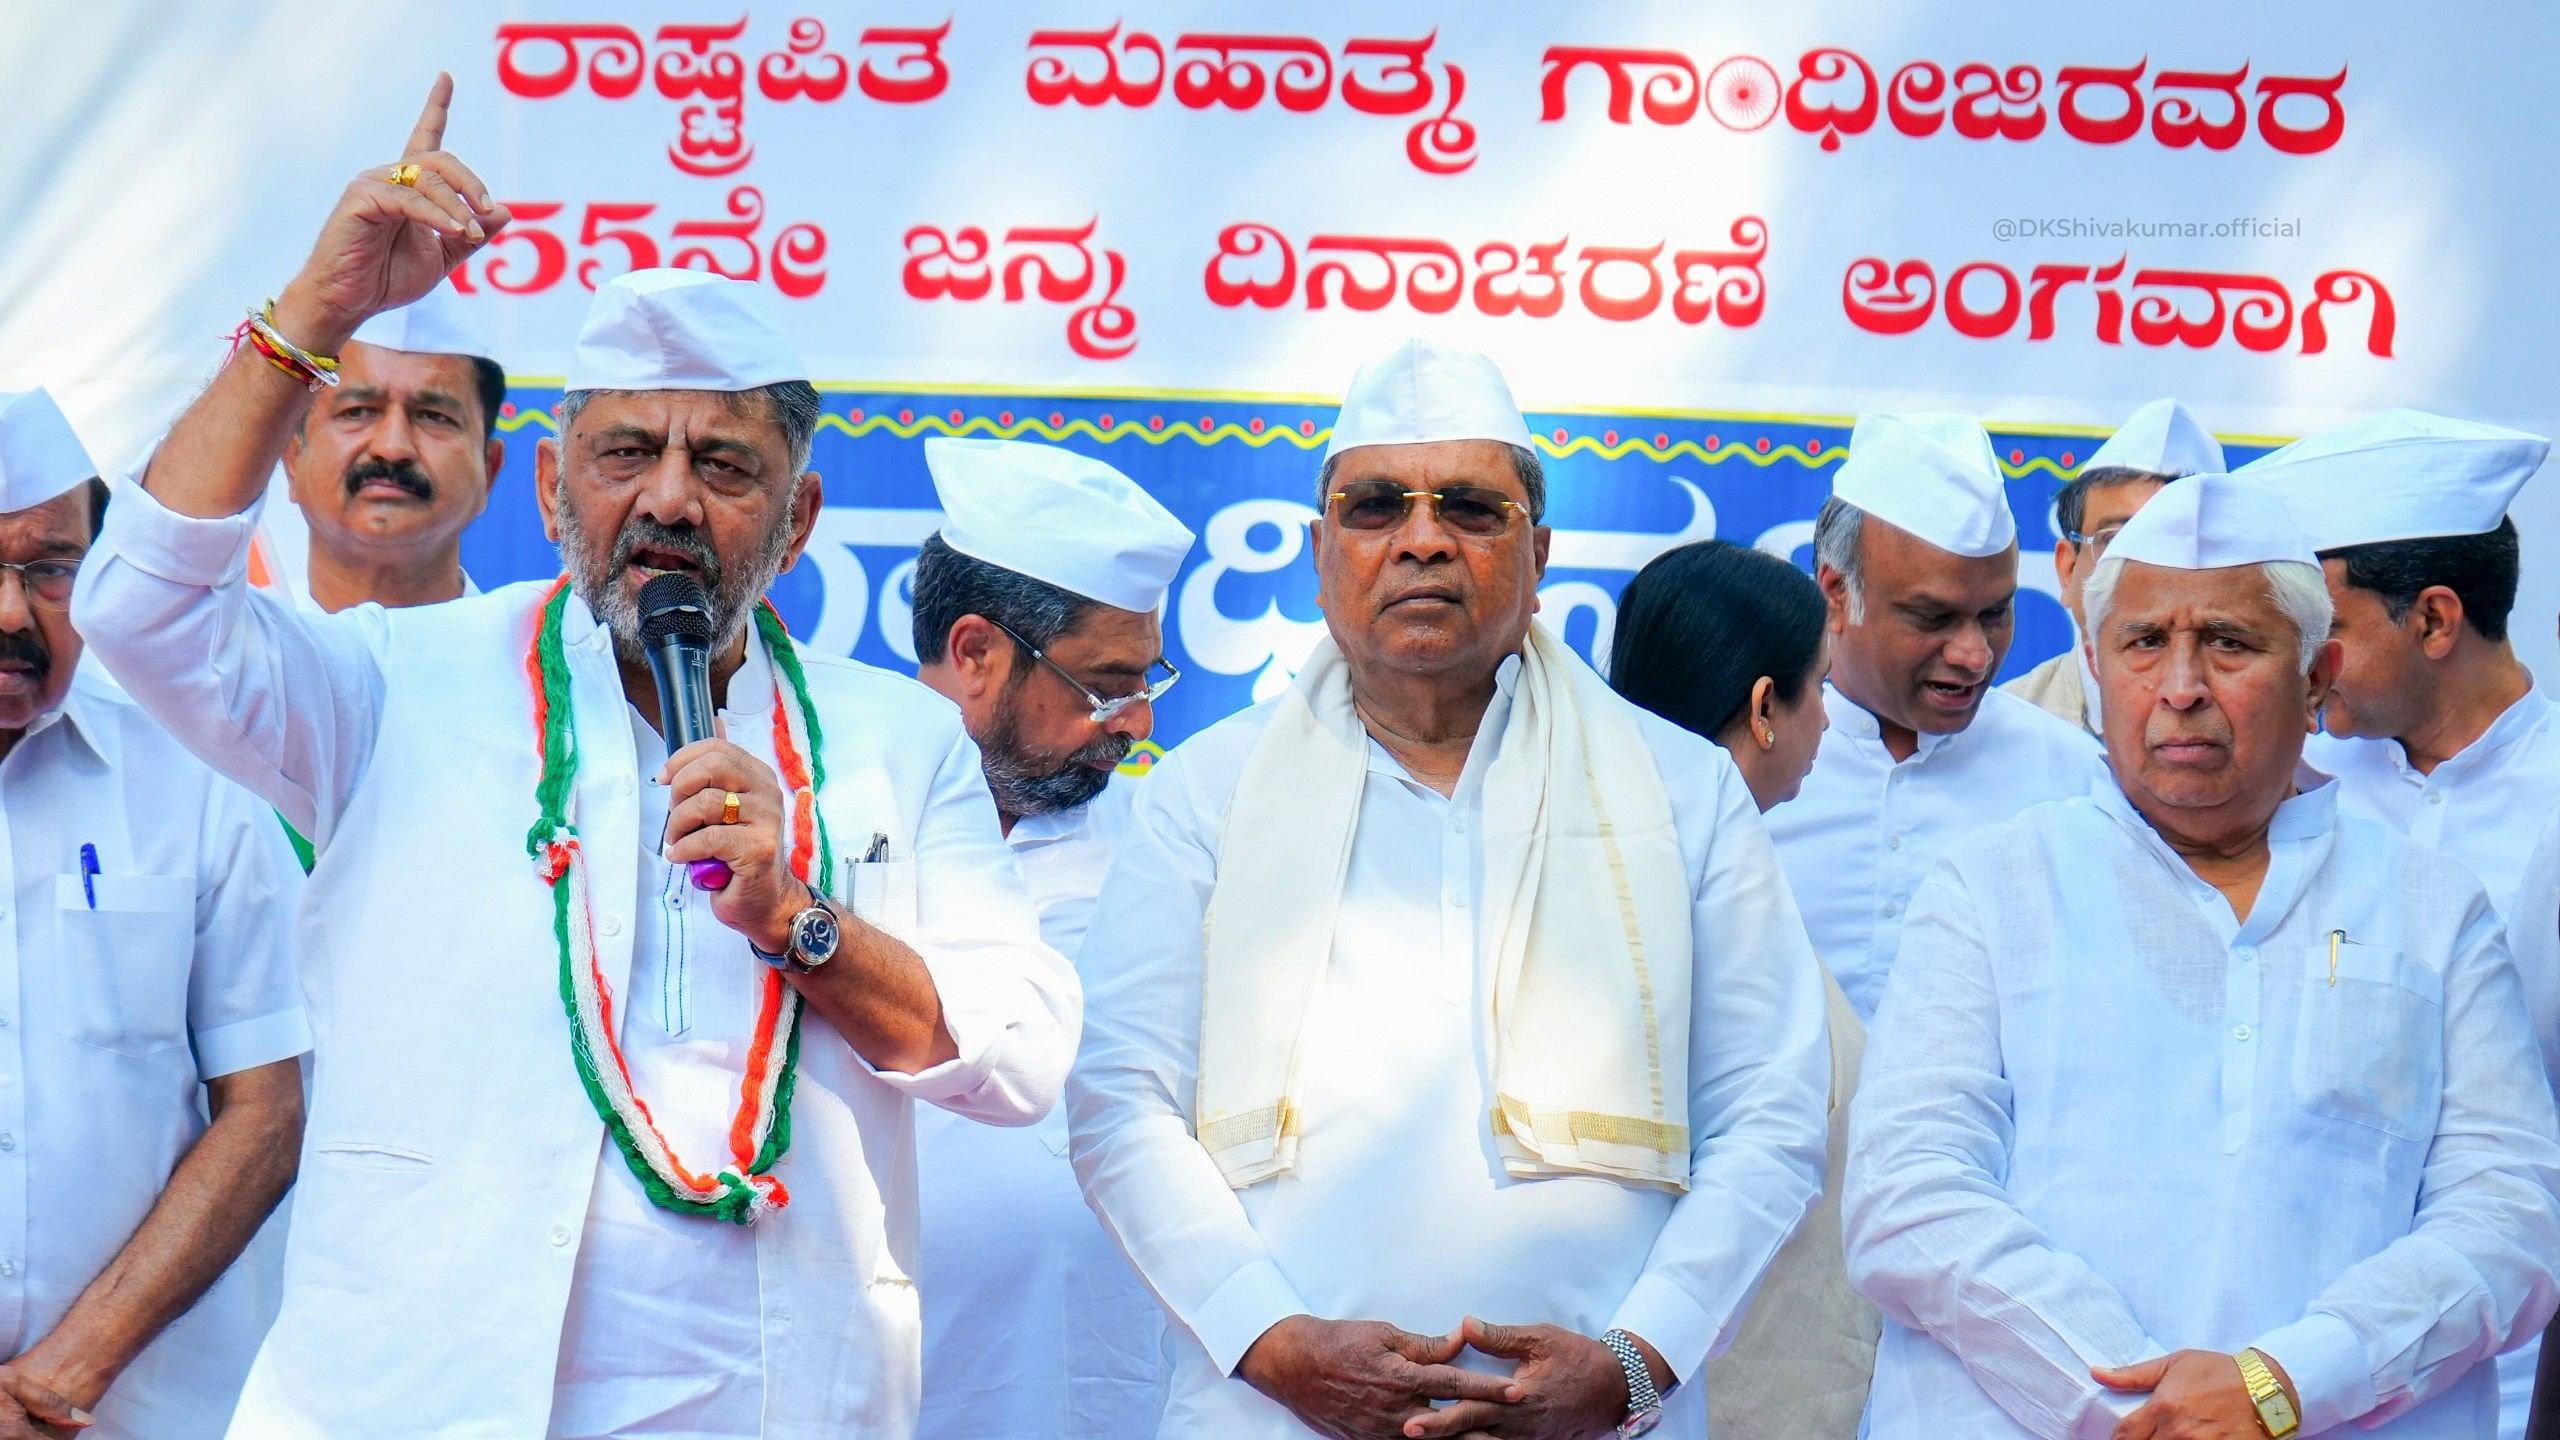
[[1642, 1400], [2276, 1414]]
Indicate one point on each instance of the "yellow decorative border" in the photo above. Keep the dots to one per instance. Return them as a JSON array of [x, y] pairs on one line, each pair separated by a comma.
[[1160, 429]]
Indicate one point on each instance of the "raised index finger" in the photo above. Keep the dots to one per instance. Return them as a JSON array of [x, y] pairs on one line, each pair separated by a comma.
[[428, 133]]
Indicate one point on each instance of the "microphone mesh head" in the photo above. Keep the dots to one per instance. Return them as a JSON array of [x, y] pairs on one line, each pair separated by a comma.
[[673, 605]]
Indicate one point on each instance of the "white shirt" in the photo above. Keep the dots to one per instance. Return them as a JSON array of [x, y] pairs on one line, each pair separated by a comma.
[[2483, 807], [2102, 1120], [1860, 836], [1398, 1208], [1035, 1325], [112, 1019], [445, 1111], [661, 1338]]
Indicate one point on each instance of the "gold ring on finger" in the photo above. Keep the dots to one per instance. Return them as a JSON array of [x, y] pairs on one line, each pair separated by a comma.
[[729, 802], [406, 173]]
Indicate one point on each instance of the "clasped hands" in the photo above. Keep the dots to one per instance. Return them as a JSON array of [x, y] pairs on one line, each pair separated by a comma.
[[1368, 1380]]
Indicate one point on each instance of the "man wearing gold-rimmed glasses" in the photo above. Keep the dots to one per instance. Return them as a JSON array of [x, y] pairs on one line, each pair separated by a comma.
[[1452, 1036]]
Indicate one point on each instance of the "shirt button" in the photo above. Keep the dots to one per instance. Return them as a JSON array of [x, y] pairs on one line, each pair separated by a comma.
[[1891, 909], [1893, 842], [8, 1267], [2247, 952], [2435, 797], [2240, 1032], [8, 1142], [559, 1234], [612, 925], [4, 1020]]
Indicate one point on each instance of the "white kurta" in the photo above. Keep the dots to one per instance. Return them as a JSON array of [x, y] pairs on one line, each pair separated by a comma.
[[2102, 1120], [112, 1018], [1862, 834], [2482, 807], [1399, 1208], [1035, 1325], [445, 1110]]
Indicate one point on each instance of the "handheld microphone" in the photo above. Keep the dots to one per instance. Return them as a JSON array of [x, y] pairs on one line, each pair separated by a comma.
[[675, 631]]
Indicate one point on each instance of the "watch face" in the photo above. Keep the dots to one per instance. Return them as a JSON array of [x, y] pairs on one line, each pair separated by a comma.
[[1642, 1422], [813, 939]]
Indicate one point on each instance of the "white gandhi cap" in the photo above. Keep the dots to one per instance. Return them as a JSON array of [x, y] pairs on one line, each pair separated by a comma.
[[1419, 393], [2161, 438], [2212, 522], [40, 457], [1932, 475], [2401, 475], [436, 323], [1059, 517], [682, 330]]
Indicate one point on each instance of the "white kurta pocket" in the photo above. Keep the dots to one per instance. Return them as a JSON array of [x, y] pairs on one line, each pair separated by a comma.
[[883, 892], [2371, 1047], [126, 962]]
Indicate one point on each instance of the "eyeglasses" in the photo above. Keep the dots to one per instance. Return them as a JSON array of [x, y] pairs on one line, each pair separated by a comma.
[[1104, 710], [1374, 505], [48, 582], [2096, 544]]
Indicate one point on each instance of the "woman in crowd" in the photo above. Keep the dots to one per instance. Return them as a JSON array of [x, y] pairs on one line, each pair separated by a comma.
[[1729, 643]]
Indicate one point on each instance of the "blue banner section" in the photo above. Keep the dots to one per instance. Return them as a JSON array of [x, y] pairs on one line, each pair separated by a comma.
[[1241, 473]]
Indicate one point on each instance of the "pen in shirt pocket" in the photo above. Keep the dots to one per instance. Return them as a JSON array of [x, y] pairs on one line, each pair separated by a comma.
[[89, 872]]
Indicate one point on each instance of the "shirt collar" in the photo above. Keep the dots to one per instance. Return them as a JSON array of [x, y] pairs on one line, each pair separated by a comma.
[[2312, 810], [1857, 721], [2513, 724]]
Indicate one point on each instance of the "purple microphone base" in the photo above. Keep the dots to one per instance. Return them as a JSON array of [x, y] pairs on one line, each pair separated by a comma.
[[707, 874]]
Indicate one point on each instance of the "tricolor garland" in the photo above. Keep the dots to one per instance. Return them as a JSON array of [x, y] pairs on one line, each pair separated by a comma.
[[760, 1132]]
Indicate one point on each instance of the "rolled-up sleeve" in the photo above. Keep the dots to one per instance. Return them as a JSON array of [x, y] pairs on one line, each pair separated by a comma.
[[1933, 1237], [1011, 1004], [284, 702], [1129, 1100], [2475, 1275], [1759, 1092], [244, 996]]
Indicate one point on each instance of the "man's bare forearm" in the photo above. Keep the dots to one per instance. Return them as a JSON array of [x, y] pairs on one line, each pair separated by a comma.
[[216, 459], [222, 1191], [879, 996]]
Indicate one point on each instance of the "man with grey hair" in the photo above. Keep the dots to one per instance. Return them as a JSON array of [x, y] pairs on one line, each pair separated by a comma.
[[709, 1231], [1917, 555], [2198, 1108], [2156, 444]]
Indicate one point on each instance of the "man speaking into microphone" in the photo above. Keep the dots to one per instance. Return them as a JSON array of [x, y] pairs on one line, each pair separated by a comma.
[[593, 1150]]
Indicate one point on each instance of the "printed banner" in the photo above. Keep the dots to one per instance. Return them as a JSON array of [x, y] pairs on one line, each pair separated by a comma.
[[1699, 241]]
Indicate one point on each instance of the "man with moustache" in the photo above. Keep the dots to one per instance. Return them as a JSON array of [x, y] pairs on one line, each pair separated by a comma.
[[602, 1144], [389, 466], [150, 1015], [1917, 555], [2156, 444], [1036, 611], [2199, 1107], [1453, 1037]]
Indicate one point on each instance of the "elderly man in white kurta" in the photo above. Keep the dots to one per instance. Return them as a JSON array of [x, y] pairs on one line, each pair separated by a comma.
[[1035, 610], [606, 1138], [146, 982], [1918, 556], [2156, 444], [1449, 1015], [2198, 1107], [2435, 727]]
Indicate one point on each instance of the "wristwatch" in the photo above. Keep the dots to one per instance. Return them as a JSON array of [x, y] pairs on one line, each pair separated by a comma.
[[1644, 1407], [814, 937], [2275, 1408]]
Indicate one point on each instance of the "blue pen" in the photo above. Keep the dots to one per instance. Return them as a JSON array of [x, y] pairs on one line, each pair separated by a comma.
[[89, 873]]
